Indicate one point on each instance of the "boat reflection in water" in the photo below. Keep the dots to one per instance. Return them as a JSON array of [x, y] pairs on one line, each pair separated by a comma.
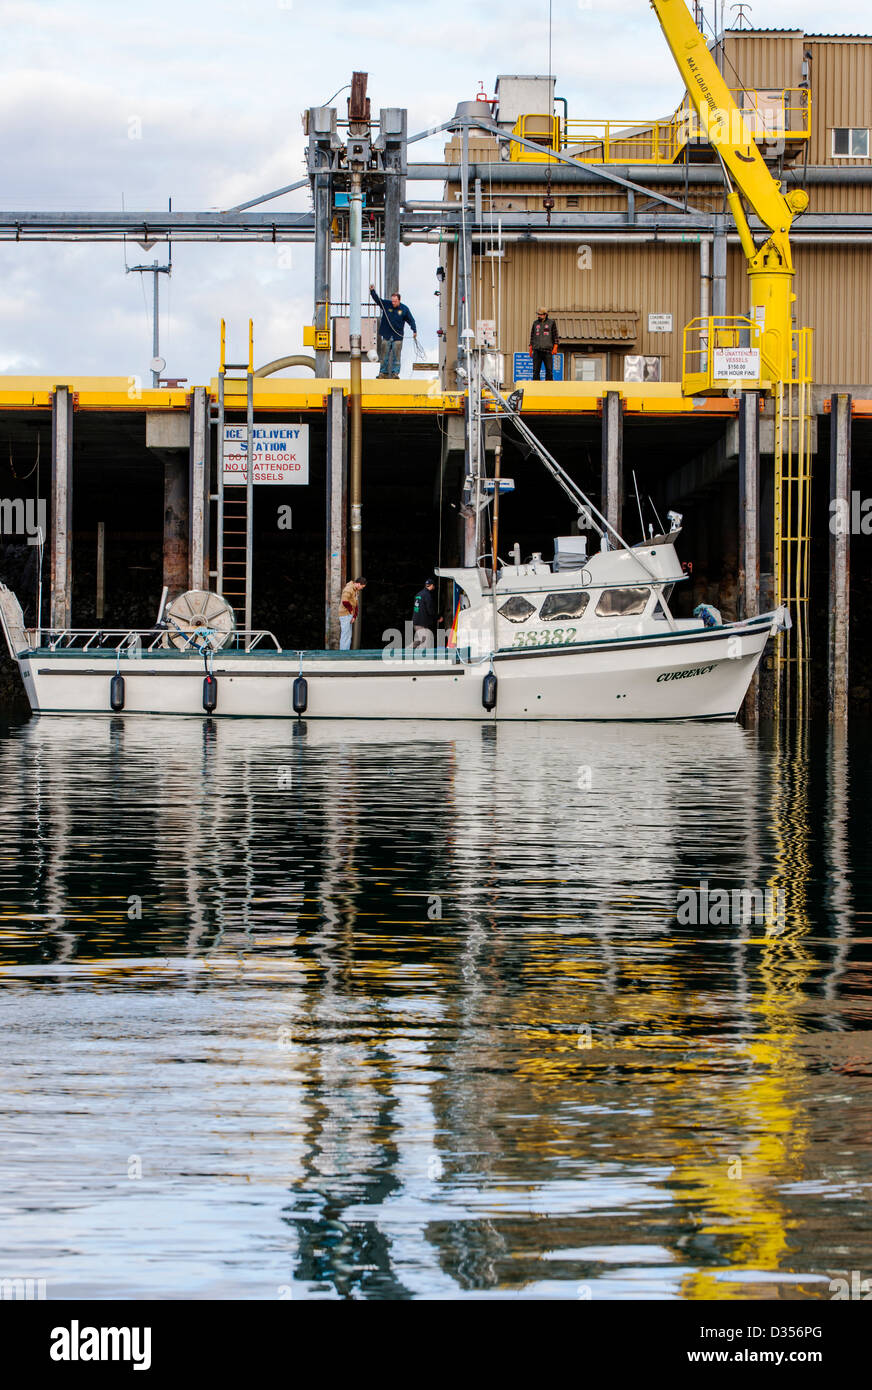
[[398, 1010]]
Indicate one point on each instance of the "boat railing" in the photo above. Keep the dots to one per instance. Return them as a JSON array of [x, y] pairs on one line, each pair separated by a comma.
[[149, 639]]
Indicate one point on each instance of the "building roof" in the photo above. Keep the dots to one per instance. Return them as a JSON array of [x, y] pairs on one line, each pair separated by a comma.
[[597, 325]]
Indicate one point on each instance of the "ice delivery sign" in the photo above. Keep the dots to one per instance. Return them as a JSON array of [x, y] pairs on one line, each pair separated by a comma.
[[281, 453]]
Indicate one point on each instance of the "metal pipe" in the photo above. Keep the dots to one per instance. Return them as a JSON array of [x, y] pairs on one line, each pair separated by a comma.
[[705, 277], [621, 237], [297, 359], [354, 324], [155, 335], [506, 172]]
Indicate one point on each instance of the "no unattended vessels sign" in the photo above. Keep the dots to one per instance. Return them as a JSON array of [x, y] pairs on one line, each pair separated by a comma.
[[281, 453], [736, 364]]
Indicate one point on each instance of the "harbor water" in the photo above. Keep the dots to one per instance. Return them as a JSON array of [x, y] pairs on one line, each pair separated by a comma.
[[398, 1011]]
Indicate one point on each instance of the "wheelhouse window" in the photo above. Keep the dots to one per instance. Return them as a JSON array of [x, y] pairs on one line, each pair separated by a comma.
[[564, 606], [850, 142], [517, 609], [622, 603]]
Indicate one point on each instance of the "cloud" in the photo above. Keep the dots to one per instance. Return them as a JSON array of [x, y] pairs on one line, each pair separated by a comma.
[[217, 89]]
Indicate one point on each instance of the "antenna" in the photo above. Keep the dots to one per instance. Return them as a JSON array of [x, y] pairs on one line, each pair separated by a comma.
[[659, 522], [639, 505], [743, 20]]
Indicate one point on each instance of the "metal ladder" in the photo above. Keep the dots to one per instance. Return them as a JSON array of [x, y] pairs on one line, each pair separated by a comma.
[[793, 426], [235, 521]]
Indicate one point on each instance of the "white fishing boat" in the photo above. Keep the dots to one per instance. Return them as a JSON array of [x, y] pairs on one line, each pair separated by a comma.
[[595, 642], [580, 637]]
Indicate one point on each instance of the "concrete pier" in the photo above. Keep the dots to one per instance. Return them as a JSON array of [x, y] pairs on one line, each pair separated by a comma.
[[613, 458]]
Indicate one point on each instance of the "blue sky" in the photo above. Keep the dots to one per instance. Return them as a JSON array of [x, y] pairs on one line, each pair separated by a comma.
[[218, 89]]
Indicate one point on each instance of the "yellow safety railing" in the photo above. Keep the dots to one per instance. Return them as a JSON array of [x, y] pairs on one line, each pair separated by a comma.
[[772, 115], [623, 142], [544, 129], [716, 351]]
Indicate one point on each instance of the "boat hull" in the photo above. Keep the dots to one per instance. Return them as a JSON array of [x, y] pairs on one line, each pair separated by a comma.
[[681, 675]]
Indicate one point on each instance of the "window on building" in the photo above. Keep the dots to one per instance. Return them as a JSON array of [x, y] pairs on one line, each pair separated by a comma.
[[851, 142], [623, 603], [638, 368], [589, 366]]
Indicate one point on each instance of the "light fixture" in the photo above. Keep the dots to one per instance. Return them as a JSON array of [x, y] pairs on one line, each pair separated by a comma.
[[675, 519]]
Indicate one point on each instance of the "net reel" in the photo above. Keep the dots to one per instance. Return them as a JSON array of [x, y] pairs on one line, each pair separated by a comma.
[[199, 621]]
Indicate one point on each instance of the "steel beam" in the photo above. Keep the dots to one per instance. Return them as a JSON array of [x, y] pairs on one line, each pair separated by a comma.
[[198, 473], [337, 505], [61, 507], [612, 486], [840, 557], [393, 127]]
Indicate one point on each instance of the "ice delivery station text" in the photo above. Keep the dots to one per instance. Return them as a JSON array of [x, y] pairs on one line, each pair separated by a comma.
[[281, 453]]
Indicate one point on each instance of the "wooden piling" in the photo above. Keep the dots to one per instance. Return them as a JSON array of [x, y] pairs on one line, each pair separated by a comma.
[[337, 503], [199, 482], [840, 556], [61, 507]]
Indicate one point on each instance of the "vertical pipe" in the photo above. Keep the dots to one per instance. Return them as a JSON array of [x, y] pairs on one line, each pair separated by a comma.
[[101, 571], [705, 296], [155, 333], [322, 200], [749, 528], [612, 483], [356, 420], [840, 556], [719, 271], [337, 487], [61, 507], [199, 483]]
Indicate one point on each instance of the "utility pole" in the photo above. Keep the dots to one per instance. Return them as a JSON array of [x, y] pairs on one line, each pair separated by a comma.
[[157, 362], [155, 270]]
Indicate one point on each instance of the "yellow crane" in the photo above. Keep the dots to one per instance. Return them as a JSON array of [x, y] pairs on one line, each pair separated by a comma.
[[784, 353]]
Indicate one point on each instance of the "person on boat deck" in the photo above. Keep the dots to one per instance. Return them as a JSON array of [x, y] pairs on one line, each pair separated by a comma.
[[348, 606], [424, 617], [543, 344], [392, 325]]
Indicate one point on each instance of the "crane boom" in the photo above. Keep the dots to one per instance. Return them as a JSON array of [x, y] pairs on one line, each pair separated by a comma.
[[770, 266]]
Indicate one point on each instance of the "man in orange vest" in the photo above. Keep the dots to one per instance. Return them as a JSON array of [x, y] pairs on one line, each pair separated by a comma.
[[348, 605], [543, 344]]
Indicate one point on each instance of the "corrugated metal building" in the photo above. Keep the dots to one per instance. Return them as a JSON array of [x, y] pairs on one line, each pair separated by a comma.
[[613, 290]]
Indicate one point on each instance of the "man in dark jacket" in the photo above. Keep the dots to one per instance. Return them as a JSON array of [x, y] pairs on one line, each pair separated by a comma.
[[543, 344], [392, 325], [424, 617]]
